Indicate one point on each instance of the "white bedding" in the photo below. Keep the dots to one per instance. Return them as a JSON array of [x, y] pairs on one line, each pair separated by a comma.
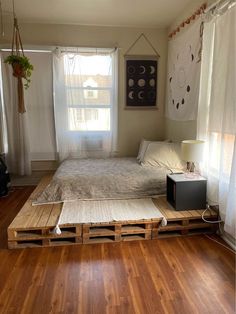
[[96, 179]]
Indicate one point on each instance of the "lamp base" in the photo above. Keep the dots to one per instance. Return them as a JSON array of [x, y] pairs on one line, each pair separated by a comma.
[[190, 166]]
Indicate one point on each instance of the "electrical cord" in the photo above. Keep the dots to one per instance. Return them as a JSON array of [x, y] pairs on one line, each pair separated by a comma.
[[209, 221], [220, 244], [220, 230]]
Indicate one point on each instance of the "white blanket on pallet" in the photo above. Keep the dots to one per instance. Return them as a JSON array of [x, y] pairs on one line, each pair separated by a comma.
[[105, 211]]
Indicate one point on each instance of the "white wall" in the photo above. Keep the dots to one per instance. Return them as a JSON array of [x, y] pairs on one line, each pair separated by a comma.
[[133, 124]]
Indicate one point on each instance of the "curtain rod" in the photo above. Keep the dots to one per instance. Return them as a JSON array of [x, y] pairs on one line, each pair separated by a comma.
[[188, 20], [212, 6], [52, 48], [29, 50], [218, 3], [93, 49]]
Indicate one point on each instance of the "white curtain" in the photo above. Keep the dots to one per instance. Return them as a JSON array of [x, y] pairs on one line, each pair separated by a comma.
[[85, 102], [16, 131], [39, 102], [29, 136], [217, 112]]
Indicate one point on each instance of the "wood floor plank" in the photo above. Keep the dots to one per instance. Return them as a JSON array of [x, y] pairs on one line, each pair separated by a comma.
[[175, 275]]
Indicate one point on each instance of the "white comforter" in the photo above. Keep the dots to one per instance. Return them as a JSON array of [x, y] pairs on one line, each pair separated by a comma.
[[94, 179]]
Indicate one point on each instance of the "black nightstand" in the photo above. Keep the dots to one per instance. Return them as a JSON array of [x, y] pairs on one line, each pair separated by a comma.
[[186, 191]]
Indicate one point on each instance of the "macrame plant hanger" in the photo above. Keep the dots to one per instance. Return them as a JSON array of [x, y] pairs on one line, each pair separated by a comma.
[[17, 50], [2, 29]]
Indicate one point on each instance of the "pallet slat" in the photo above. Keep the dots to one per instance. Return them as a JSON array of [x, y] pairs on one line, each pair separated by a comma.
[[175, 227], [183, 222], [115, 232], [33, 225]]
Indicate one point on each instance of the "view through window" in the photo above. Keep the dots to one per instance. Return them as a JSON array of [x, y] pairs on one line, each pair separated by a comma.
[[88, 80]]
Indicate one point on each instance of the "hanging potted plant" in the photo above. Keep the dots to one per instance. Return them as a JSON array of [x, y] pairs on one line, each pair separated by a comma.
[[22, 68]]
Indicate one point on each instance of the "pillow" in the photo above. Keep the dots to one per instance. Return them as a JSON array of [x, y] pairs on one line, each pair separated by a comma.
[[143, 147], [163, 154]]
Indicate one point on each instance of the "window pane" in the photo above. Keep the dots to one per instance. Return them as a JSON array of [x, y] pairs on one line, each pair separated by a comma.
[[87, 64], [88, 79], [85, 97], [75, 80], [89, 119]]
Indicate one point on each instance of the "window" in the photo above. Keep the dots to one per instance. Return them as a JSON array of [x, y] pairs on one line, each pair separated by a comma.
[[85, 101], [88, 81], [89, 91]]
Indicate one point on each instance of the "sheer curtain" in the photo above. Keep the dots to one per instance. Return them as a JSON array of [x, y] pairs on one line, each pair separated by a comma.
[[29, 136], [85, 102], [217, 111], [16, 126], [39, 101]]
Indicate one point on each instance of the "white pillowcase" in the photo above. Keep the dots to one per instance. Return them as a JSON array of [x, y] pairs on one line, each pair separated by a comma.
[[142, 149], [164, 154]]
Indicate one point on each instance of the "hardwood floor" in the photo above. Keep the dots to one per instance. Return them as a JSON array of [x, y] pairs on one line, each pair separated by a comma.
[[174, 275]]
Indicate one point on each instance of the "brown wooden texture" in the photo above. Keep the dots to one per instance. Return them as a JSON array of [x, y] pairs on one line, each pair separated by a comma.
[[119, 231], [9, 207], [172, 214], [33, 225], [183, 222], [174, 275]]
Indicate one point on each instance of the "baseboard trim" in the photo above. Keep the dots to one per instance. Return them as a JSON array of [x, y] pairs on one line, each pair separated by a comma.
[[227, 239]]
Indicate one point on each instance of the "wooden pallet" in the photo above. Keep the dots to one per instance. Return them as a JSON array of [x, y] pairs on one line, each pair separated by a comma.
[[22, 238], [33, 225], [119, 231], [183, 222]]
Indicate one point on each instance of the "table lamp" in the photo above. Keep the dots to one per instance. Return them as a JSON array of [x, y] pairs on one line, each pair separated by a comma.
[[192, 151]]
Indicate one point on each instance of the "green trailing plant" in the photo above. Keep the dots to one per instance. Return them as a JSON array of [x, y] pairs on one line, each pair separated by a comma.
[[21, 67]]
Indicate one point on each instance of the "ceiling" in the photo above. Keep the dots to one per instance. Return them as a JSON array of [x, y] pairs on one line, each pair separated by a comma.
[[133, 13]]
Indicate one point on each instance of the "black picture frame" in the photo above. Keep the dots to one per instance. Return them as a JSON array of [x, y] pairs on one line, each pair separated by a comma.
[[141, 83]]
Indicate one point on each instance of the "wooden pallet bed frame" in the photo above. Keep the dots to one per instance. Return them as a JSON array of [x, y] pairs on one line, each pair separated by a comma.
[[33, 225]]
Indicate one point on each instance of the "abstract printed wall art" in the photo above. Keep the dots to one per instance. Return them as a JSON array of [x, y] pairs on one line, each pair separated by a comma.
[[184, 56], [141, 83]]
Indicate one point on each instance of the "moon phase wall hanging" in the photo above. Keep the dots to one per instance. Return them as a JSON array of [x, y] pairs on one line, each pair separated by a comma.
[[141, 83]]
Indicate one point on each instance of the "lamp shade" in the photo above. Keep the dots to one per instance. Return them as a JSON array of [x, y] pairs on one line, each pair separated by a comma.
[[192, 150]]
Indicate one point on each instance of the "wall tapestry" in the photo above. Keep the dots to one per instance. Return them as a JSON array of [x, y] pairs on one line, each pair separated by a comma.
[[183, 76], [141, 83]]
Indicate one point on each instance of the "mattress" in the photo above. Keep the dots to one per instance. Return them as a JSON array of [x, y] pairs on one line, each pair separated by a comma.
[[96, 179]]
